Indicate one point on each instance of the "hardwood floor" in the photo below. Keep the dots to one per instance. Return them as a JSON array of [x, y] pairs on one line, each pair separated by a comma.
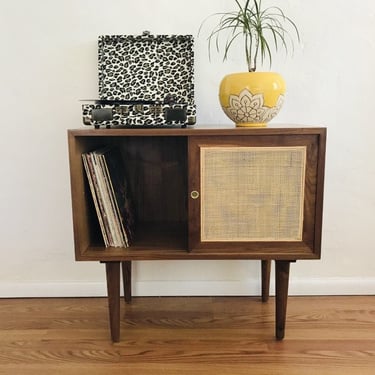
[[188, 335]]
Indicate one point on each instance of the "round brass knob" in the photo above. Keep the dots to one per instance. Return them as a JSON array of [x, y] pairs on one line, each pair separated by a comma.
[[194, 194]]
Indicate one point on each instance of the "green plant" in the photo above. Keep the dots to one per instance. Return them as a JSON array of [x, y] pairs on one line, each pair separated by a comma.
[[261, 29]]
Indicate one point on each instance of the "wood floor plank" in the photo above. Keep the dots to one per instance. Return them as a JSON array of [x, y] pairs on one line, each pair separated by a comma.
[[187, 335]]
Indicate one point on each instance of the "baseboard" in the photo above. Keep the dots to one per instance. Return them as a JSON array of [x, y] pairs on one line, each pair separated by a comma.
[[298, 286]]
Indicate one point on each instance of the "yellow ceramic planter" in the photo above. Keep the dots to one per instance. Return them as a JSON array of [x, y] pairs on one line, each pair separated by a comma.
[[252, 98]]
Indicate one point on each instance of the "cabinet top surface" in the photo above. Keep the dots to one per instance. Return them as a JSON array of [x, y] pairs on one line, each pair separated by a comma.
[[199, 130]]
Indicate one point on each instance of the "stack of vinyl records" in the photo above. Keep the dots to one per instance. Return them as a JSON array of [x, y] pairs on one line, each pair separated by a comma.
[[110, 193]]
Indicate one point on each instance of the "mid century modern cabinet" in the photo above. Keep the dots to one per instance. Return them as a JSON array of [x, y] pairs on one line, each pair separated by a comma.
[[207, 193]]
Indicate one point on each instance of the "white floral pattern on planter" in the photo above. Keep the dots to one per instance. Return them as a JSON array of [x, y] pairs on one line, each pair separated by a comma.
[[250, 108]]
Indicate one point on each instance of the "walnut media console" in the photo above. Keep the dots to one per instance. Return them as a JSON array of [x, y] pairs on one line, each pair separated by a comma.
[[207, 193]]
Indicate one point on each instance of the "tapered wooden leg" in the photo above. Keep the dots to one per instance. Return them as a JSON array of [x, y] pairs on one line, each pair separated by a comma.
[[127, 280], [113, 288], [266, 273], [282, 283]]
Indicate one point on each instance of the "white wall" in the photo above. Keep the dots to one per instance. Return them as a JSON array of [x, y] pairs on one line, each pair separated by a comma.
[[48, 63]]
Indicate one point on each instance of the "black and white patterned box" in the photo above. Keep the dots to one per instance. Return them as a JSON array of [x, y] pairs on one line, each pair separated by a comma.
[[144, 80]]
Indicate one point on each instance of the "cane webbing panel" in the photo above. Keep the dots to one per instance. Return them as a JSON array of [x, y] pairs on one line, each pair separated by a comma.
[[252, 193]]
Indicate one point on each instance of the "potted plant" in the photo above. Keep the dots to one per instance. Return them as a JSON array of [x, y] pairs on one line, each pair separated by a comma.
[[252, 98]]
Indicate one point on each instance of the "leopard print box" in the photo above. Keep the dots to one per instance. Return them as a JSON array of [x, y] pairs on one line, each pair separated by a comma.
[[144, 80]]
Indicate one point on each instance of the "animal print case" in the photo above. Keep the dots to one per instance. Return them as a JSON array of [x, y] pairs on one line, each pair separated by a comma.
[[144, 80]]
